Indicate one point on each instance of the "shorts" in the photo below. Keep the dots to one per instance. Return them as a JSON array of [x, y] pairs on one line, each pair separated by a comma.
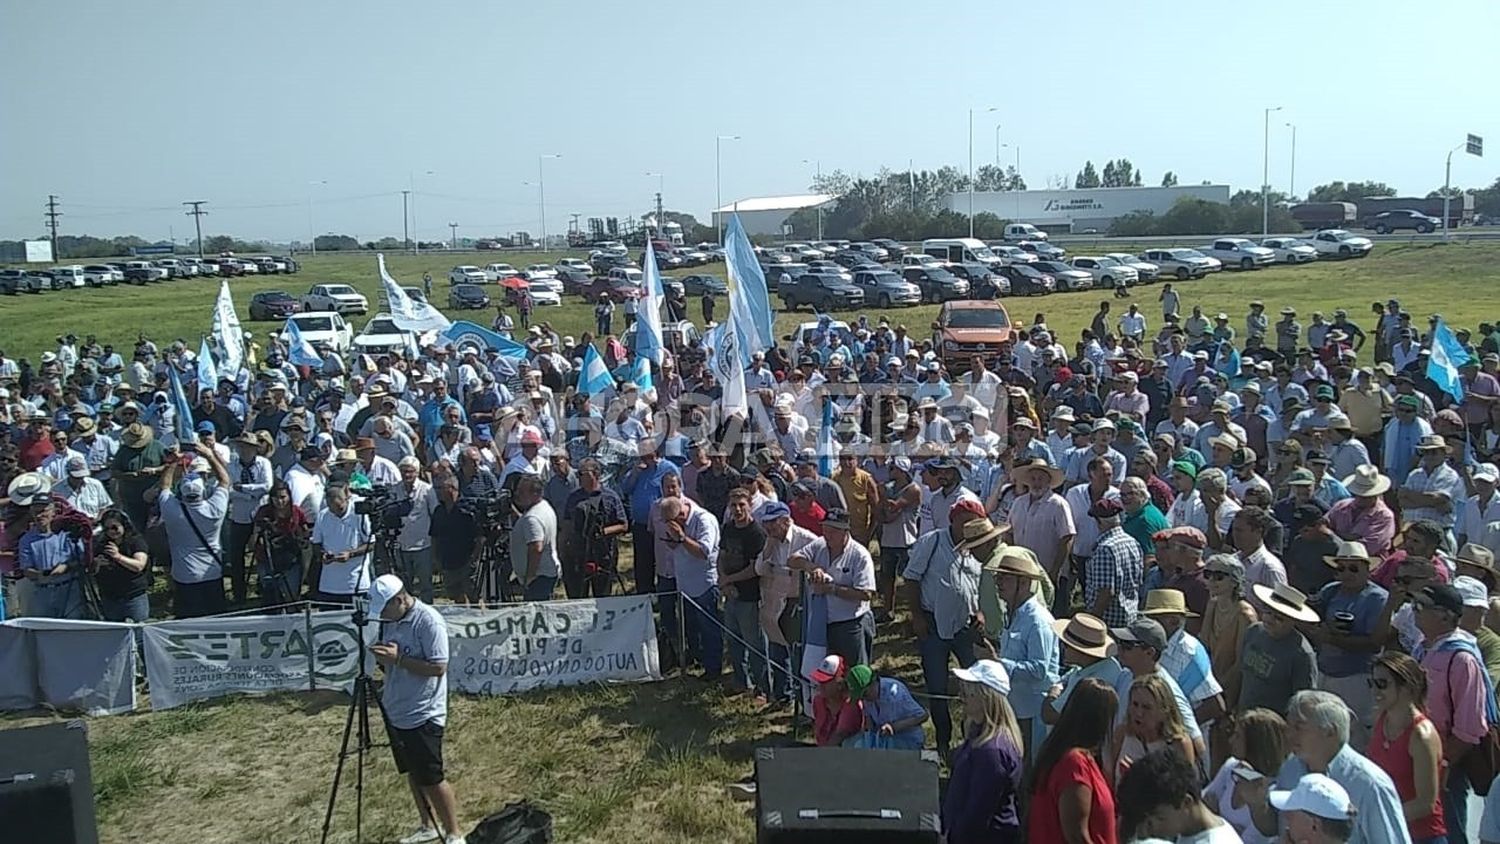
[[418, 752], [892, 561]]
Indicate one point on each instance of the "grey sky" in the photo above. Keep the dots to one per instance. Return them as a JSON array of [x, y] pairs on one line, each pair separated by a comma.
[[126, 109]]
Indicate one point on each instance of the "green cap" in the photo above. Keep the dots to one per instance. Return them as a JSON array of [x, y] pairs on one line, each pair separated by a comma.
[[1186, 467], [1300, 477], [1410, 401], [858, 679]]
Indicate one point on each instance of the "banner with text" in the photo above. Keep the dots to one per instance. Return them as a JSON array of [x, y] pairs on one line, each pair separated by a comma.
[[211, 657], [557, 643]]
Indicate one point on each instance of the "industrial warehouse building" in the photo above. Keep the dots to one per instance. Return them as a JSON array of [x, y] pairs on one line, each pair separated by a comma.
[[1080, 210], [765, 215]]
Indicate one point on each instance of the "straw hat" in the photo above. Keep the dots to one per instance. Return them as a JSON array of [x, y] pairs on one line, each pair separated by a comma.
[[1084, 633], [1432, 442], [1167, 602], [1350, 552], [1286, 600], [1476, 555], [1367, 481], [1017, 561], [1054, 473], [137, 436]]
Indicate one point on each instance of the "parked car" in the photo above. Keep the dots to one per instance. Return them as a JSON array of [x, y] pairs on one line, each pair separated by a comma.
[[830, 267], [827, 247], [1012, 254], [1027, 280], [543, 281], [379, 336], [1182, 264], [574, 263], [1066, 277], [876, 252], [921, 259], [1341, 243], [968, 328], [604, 262], [936, 283], [463, 297], [1044, 250], [540, 296], [68, 276], [983, 281], [894, 251], [339, 298], [572, 277], [324, 328], [612, 247], [288, 264], [1290, 250], [770, 258], [1105, 271], [1389, 221], [617, 287], [470, 274], [697, 285], [140, 272], [272, 304], [11, 282], [804, 252], [1017, 232], [824, 292], [40, 280], [664, 260], [691, 257], [1146, 270], [884, 289], [1239, 252], [268, 266], [852, 260], [172, 266]]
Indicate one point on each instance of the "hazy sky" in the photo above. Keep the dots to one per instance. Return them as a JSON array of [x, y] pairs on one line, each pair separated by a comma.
[[126, 109]]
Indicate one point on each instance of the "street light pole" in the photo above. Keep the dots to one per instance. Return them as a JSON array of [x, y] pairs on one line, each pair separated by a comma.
[[405, 232], [1291, 189], [718, 184], [541, 192], [997, 146], [1265, 176], [660, 184], [971, 168], [1013, 188]]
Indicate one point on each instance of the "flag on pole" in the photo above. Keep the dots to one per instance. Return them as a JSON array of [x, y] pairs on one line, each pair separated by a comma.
[[648, 342], [300, 351], [640, 373], [227, 334], [183, 427], [749, 299], [208, 375], [594, 381], [407, 313], [1447, 356], [464, 333], [825, 439], [721, 345]]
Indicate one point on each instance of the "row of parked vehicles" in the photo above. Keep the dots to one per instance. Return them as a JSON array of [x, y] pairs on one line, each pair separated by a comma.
[[70, 276]]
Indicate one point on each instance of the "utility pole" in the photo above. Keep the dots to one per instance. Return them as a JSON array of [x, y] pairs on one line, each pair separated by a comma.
[[1265, 176], [1474, 145], [52, 215], [453, 241], [659, 220], [405, 232], [197, 215]]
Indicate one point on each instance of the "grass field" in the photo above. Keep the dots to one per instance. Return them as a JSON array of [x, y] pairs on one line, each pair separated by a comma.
[[1456, 280]]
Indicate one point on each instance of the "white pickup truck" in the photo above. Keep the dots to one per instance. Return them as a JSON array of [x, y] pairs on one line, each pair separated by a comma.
[[339, 298], [1239, 253]]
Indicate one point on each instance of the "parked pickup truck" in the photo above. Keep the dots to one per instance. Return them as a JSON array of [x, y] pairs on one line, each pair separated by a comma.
[[823, 291], [339, 298], [1239, 253], [970, 327]]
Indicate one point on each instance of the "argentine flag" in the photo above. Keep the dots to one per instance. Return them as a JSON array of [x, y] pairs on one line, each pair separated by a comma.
[[300, 350], [648, 343], [184, 410], [1447, 356], [640, 373], [749, 299], [208, 376], [594, 381], [825, 439]]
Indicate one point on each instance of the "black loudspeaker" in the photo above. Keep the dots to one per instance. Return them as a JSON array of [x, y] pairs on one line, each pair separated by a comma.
[[835, 795], [46, 788]]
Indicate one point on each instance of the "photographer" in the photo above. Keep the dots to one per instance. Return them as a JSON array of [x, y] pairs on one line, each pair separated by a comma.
[[593, 519], [279, 532], [457, 540], [414, 545], [193, 519], [413, 651], [342, 537], [121, 573], [533, 541]]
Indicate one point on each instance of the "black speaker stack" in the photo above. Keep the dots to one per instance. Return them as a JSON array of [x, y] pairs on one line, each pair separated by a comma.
[[832, 795]]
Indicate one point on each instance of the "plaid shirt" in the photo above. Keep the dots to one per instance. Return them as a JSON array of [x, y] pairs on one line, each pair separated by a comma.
[[1116, 565]]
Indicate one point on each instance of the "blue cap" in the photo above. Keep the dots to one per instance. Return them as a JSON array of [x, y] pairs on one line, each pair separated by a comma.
[[206, 427], [771, 511]]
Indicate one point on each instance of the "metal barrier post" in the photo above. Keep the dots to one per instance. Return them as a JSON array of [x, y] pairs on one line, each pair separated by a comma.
[[312, 663]]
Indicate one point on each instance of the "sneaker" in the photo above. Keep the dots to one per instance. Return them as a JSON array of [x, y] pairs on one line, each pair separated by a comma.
[[742, 792], [423, 834]]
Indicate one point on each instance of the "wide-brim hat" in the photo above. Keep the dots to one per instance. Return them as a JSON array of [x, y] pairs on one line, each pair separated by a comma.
[[1367, 481], [1054, 473], [1286, 600], [137, 436], [1349, 552], [1084, 633], [1432, 442], [1167, 602], [1476, 555], [83, 427], [247, 438]]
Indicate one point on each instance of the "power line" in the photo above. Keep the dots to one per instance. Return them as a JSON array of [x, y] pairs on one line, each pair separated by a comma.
[[52, 215], [197, 215]]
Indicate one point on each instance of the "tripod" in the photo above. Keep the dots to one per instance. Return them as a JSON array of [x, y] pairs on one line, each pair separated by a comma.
[[359, 713]]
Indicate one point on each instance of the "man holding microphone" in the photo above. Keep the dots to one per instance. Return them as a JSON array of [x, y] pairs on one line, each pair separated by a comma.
[[413, 651]]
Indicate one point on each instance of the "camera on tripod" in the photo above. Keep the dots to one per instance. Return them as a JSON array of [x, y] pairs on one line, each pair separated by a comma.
[[384, 507], [494, 509]]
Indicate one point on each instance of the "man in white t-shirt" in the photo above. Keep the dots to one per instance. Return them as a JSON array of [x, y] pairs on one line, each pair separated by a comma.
[[533, 540], [344, 543]]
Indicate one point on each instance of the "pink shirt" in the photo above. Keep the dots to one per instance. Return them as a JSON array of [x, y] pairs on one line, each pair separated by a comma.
[[1455, 691], [1375, 527]]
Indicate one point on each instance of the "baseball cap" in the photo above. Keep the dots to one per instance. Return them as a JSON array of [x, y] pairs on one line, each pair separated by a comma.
[[1300, 477], [1443, 596], [192, 489], [1143, 631], [385, 587], [831, 668], [771, 511], [310, 452], [837, 517], [986, 672], [859, 678], [1106, 508], [206, 427], [1487, 472], [1315, 794], [1472, 591], [77, 467]]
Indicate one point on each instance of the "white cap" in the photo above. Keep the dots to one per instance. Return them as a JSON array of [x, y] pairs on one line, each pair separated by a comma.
[[1487, 472], [77, 467], [385, 587], [1315, 794], [986, 672], [1104, 425], [1063, 412], [192, 489], [1472, 590]]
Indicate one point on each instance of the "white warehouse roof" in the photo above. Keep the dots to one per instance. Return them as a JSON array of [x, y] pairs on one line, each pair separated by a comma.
[[777, 203]]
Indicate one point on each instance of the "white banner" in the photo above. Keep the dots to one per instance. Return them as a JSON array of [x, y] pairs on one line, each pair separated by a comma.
[[76, 666], [556, 643], [211, 657]]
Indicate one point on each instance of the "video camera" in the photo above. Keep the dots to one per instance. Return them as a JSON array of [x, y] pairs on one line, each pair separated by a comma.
[[384, 508], [494, 508]]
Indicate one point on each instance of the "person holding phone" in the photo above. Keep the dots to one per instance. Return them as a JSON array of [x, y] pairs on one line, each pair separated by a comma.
[[343, 542]]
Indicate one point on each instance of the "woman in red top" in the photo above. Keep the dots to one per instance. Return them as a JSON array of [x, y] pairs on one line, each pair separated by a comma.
[[807, 513], [279, 540], [1070, 798], [836, 718], [1406, 745]]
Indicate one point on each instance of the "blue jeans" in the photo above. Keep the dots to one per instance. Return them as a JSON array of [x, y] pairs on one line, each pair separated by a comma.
[[748, 663], [137, 608], [415, 568], [935, 652], [704, 639], [1456, 803], [782, 688], [540, 588], [58, 599]]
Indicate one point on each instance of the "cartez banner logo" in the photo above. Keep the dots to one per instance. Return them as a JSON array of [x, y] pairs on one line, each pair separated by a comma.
[[335, 648], [469, 338]]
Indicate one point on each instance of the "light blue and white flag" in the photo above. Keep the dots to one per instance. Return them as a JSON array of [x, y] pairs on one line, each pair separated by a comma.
[[595, 381], [749, 299], [825, 439], [299, 350], [407, 313], [183, 424], [721, 346], [464, 332], [208, 374], [648, 343], [227, 334], [640, 373], [1447, 356]]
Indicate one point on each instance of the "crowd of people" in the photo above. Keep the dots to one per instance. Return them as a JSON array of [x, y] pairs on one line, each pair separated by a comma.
[[1188, 581]]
